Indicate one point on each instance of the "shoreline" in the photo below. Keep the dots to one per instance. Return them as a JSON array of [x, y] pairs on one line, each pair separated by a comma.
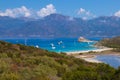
[[86, 51], [90, 57]]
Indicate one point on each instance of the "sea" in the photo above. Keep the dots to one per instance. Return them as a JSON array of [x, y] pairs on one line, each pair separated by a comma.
[[56, 45], [59, 45]]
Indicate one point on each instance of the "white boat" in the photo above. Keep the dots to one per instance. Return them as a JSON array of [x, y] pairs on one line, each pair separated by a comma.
[[37, 46], [60, 42], [53, 47], [52, 44]]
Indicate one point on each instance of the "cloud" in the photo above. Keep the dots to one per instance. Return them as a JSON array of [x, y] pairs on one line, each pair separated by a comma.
[[8, 12], [117, 13], [16, 12], [49, 9], [25, 12], [81, 11], [85, 14]]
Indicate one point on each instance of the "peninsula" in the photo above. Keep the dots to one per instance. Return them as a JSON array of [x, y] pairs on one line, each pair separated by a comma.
[[82, 39]]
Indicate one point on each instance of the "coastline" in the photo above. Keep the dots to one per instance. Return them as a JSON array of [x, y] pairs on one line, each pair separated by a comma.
[[90, 55], [88, 58], [86, 51]]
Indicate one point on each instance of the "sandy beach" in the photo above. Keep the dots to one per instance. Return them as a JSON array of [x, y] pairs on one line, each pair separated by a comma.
[[90, 57], [96, 50]]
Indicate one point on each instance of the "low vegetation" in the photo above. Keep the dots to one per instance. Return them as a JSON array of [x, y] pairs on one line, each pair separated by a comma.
[[19, 62], [112, 43]]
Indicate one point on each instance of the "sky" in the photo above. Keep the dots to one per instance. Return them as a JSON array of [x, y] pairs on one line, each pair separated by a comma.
[[75, 8]]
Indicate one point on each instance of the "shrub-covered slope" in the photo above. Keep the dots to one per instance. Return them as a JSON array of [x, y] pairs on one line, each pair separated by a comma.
[[112, 43], [18, 62]]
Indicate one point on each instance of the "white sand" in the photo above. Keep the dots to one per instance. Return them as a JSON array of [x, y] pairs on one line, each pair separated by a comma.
[[97, 50], [89, 58], [92, 60]]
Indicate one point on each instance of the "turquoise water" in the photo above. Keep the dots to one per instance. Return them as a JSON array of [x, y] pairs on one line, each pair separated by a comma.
[[56, 45], [66, 45]]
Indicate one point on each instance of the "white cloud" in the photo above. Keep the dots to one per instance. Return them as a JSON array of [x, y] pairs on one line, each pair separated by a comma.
[[81, 11], [16, 12], [117, 13], [25, 12], [85, 14], [49, 9], [88, 13], [8, 12]]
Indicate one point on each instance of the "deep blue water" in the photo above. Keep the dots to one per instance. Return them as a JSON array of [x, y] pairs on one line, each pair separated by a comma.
[[56, 45], [112, 60]]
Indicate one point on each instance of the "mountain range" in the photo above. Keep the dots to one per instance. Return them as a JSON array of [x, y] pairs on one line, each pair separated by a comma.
[[59, 26]]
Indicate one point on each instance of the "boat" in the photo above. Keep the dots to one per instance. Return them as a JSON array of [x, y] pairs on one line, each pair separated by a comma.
[[37, 46], [52, 44], [53, 47], [60, 42]]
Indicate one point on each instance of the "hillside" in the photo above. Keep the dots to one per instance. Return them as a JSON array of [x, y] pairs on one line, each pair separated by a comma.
[[18, 62], [56, 26], [112, 43]]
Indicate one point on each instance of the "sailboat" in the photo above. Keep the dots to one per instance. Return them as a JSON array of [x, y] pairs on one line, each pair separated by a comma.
[[60, 42], [52, 46], [37, 46]]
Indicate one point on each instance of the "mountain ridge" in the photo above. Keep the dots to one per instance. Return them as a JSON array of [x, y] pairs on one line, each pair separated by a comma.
[[57, 25]]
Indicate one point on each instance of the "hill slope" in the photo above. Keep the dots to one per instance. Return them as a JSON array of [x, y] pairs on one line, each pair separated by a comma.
[[18, 62], [112, 43]]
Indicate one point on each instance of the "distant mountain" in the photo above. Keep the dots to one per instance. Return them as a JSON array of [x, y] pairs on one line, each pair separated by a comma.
[[56, 25]]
